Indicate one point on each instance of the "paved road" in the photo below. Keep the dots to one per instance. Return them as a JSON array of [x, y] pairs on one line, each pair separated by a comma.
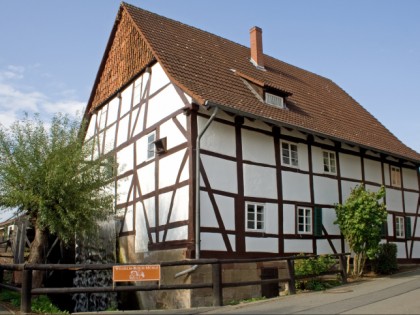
[[397, 294]]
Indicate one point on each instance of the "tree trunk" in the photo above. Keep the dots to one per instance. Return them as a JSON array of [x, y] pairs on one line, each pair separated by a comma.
[[36, 255]]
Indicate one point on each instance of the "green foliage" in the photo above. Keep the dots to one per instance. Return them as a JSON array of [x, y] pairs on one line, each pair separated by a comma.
[[386, 259], [313, 266], [360, 220], [49, 174], [42, 304], [12, 297]]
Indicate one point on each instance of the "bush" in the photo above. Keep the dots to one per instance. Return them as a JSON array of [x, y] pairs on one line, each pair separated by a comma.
[[386, 259], [313, 266]]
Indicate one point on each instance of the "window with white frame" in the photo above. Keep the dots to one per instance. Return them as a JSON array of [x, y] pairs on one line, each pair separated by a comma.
[[304, 220], [399, 227], [151, 137], [254, 217], [289, 154], [395, 176], [330, 164]]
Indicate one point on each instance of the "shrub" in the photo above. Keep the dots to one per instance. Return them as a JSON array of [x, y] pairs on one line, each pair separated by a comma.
[[313, 266], [386, 260]]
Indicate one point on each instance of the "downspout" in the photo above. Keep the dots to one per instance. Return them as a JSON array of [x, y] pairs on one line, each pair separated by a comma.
[[197, 183], [197, 194]]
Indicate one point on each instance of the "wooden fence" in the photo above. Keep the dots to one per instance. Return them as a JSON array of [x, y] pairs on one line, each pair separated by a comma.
[[216, 285]]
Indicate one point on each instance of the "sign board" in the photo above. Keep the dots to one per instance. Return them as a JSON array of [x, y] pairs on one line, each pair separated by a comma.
[[136, 273]]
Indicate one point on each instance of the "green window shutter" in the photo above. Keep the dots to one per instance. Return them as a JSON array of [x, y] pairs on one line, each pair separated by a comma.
[[407, 227], [384, 229], [318, 221]]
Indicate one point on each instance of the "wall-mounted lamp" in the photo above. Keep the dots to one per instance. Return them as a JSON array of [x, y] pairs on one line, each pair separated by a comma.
[[160, 146]]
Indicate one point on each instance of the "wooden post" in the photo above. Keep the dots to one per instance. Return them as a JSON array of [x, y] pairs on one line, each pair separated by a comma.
[[217, 284], [25, 299], [343, 268], [291, 267]]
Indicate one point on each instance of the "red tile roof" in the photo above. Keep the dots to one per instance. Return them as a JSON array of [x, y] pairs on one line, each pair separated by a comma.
[[201, 63]]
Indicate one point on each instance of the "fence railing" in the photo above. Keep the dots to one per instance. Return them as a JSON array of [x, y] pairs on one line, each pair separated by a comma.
[[217, 285]]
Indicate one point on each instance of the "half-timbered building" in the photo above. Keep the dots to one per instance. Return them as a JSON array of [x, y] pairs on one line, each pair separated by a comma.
[[223, 151]]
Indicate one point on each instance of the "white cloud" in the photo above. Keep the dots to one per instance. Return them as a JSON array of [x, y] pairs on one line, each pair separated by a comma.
[[15, 99]]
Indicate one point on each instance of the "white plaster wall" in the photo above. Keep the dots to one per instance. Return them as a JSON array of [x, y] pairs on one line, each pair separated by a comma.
[[258, 244], [411, 200], [298, 246], [260, 181], [141, 239], [232, 240], [416, 249], [146, 177], [218, 137], [323, 246], [373, 171], [271, 218], [328, 218], [128, 219], [123, 187], [386, 173], [390, 225], [323, 141], [125, 159], [215, 167], [350, 166], [173, 135], [169, 167], [346, 188], [350, 148], [123, 131], [141, 150], [109, 139], [138, 120], [176, 234], [150, 206], [289, 217], [212, 241], [257, 147], [180, 206], [410, 178], [257, 124], [393, 199], [226, 207], [113, 109], [126, 98], [91, 128], [303, 157], [295, 186], [417, 229], [325, 190], [102, 113], [401, 252], [163, 97]]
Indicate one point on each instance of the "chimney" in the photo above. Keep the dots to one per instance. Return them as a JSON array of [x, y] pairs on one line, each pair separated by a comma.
[[257, 56]]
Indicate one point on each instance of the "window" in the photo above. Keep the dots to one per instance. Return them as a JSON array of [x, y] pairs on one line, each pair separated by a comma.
[[254, 217], [275, 100], [151, 137], [395, 176], [304, 220], [289, 154], [329, 162], [399, 227]]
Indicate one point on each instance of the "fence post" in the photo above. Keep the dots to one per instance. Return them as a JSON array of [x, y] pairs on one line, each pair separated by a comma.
[[1, 275], [217, 284], [291, 267], [343, 267], [25, 299]]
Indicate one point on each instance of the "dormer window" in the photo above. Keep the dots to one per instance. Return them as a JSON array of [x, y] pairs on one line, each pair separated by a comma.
[[274, 100]]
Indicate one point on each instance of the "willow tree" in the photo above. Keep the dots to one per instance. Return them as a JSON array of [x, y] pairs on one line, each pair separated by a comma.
[[361, 219], [47, 173]]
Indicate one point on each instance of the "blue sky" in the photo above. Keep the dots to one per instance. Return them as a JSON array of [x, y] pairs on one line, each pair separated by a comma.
[[50, 50]]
